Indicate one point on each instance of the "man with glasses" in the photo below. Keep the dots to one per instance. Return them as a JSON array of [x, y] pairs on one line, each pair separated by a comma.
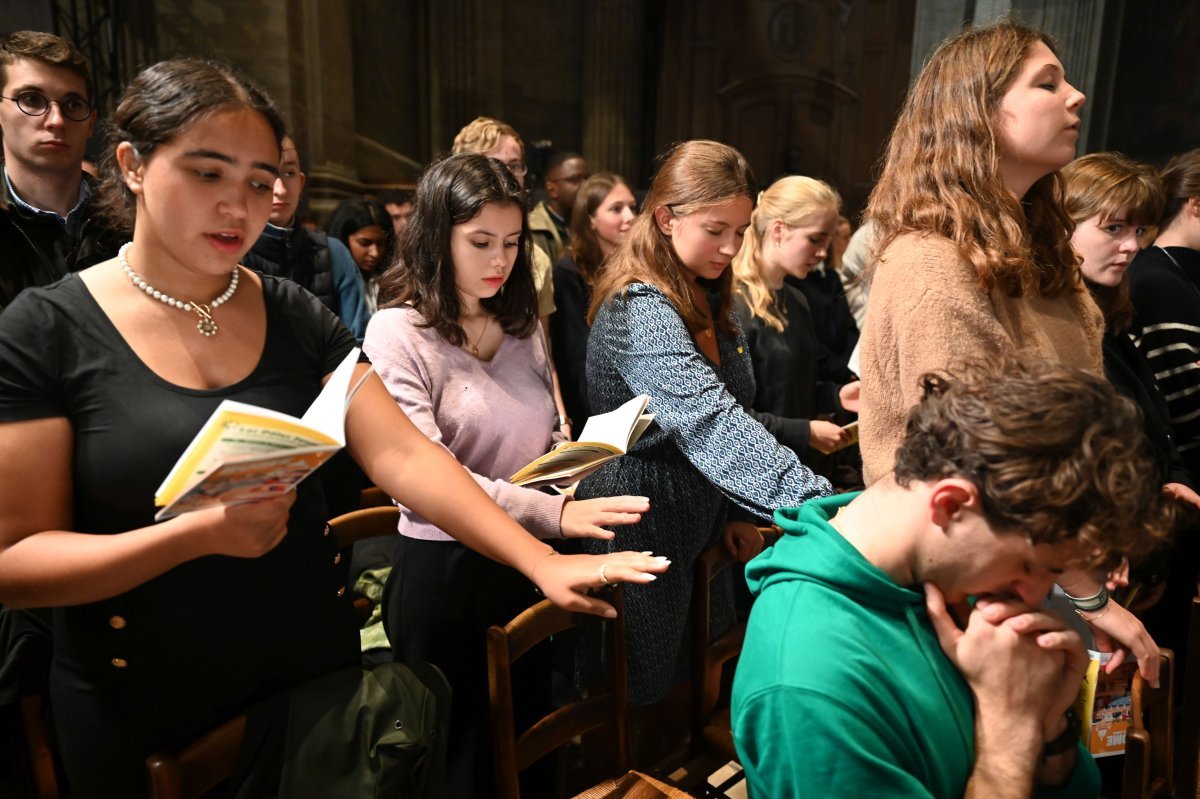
[[550, 220], [47, 204]]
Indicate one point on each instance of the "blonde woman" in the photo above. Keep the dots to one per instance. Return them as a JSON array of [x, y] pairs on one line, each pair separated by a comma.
[[790, 233]]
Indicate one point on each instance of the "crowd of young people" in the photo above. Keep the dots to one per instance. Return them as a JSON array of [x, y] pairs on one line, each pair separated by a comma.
[[705, 298]]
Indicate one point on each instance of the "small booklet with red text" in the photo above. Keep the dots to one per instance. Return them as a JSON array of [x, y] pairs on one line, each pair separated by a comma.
[[245, 453]]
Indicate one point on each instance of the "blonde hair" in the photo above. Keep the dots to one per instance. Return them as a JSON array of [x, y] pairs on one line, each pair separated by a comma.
[[794, 201], [694, 175], [482, 135], [941, 172]]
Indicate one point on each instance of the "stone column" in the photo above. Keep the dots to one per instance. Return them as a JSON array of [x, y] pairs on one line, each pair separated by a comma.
[[465, 66], [613, 80], [321, 95]]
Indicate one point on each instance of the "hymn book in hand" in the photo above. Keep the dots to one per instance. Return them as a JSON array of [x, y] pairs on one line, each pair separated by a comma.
[[604, 437], [246, 453]]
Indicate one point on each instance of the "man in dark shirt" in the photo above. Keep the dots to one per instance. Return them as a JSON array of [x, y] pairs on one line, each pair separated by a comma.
[[46, 201]]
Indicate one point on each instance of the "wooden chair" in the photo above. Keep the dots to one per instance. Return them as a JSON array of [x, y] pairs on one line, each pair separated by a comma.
[[42, 766], [199, 767], [515, 752], [208, 761], [1188, 753], [360, 525], [374, 497], [1149, 749], [712, 731]]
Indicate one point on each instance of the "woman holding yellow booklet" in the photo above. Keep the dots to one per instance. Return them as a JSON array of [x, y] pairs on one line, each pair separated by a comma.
[[106, 376]]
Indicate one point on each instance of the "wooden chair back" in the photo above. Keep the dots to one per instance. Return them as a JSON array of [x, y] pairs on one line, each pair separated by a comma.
[[200, 766], [42, 767], [208, 761], [513, 751], [709, 656], [1188, 758], [359, 525], [1149, 744]]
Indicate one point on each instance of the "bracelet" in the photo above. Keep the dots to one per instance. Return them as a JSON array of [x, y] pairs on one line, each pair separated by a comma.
[[1089, 603], [1091, 615], [562, 420]]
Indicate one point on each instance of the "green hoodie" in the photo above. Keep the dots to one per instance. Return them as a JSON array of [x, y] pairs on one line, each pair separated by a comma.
[[842, 688]]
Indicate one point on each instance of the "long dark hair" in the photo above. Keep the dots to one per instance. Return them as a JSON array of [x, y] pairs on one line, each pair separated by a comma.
[[357, 213], [452, 192], [161, 101], [585, 244]]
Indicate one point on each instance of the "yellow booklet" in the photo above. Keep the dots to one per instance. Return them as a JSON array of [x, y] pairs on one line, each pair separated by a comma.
[[604, 437], [1104, 705], [244, 453]]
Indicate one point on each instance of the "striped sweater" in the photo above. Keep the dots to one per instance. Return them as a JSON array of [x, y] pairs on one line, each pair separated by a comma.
[[1165, 288]]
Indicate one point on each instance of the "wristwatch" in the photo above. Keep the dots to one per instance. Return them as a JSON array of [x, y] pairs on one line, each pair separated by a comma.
[[1066, 739]]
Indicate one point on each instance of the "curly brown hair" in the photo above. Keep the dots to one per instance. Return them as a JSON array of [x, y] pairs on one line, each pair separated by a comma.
[[1055, 452], [941, 170]]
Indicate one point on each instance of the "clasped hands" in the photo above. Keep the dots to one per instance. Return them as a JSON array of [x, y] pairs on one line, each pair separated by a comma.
[[1023, 664]]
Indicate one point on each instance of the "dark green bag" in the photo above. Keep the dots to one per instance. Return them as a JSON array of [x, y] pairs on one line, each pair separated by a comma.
[[353, 734]]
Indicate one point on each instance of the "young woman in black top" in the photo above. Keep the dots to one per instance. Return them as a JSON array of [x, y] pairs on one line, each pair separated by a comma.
[[107, 375]]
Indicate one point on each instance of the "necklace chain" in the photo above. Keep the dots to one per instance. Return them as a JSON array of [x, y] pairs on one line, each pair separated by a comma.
[[205, 324], [474, 348]]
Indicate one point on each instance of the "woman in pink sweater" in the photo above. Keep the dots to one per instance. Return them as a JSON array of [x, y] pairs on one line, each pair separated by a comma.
[[974, 247], [458, 345]]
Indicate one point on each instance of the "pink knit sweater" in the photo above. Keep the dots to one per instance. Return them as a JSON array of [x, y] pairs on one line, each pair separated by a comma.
[[493, 416]]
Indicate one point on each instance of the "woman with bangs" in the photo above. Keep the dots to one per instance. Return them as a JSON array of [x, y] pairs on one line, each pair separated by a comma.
[[663, 325], [790, 233], [1115, 202], [974, 248]]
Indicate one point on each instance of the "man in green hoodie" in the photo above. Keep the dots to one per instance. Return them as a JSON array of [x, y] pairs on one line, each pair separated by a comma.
[[865, 671]]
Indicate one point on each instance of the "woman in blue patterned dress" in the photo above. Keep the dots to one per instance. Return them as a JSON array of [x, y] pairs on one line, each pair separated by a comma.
[[662, 325]]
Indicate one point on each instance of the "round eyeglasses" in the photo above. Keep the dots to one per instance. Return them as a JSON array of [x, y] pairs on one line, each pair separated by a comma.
[[36, 104], [518, 168]]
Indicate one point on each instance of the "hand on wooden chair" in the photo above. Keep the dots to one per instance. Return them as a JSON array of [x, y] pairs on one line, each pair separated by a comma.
[[566, 579]]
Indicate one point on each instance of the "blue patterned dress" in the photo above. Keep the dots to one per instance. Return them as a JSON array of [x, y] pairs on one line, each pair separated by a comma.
[[702, 453]]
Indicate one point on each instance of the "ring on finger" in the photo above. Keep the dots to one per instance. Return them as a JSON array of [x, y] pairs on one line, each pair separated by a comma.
[[603, 576]]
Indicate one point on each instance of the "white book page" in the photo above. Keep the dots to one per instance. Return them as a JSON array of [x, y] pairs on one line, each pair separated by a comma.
[[614, 428]]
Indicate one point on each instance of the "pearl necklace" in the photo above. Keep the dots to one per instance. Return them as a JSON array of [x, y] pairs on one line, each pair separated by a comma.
[[206, 325]]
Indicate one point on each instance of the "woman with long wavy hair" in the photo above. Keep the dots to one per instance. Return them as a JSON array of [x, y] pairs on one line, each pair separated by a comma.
[[663, 325], [975, 250]]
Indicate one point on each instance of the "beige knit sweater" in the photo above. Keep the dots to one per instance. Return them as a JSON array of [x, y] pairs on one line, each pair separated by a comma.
[[926, 311]]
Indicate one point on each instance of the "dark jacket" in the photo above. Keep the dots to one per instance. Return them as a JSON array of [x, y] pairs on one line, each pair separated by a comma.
[[36, 250], [302, 256]]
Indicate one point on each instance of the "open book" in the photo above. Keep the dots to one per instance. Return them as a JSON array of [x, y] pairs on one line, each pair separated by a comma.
[[604, 437], [244, 452]]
